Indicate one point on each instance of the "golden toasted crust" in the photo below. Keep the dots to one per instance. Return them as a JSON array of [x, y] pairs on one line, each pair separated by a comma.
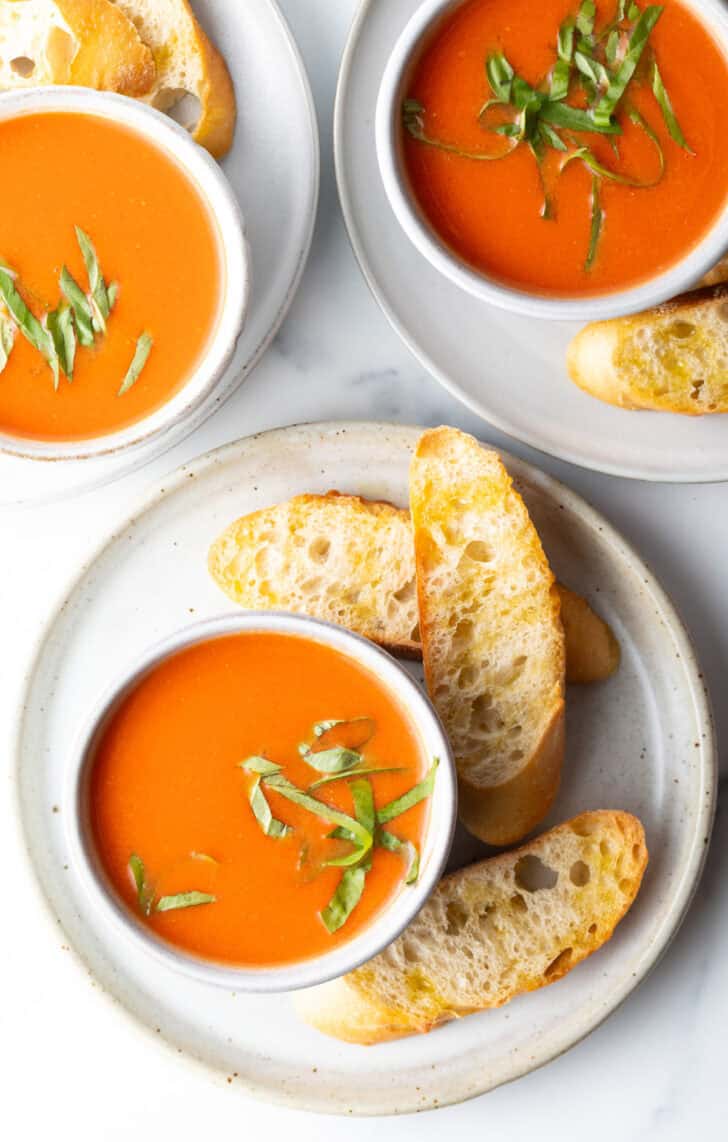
[[492, 639], [216, 126], [110, 56], [86, 42], [673, 358], [492, 931], [187, 63], [506, 812], [592, 651]]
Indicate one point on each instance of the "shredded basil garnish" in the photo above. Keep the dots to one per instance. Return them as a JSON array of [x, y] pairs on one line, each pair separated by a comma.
[[139, 360], [414, 123], [63, 331], [362, 837], [99, 297], [395, 845], [58, 332], [351, 886], [335, 760], [82, 312], [411, 798], [358, 731], [561, 74], [596, 222], [7, 340], [585, 17], [607, 105], [262, 812], [668, 113], [183, 900], [500, 76], [359, 771], [345, 899], [363, 797], [27, 322], [145, 892], [261, 765]]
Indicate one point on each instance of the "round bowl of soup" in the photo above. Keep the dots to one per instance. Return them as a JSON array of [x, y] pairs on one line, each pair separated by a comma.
[[124, 274], [564, 159], [263, 801]]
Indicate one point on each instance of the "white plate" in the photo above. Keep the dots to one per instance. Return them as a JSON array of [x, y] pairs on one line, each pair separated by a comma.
[[274, 170], [642, 742], [510, 370]]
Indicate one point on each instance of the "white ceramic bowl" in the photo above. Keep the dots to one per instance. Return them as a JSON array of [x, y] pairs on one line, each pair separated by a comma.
[[393, 90], [386, 926], [215, 191]]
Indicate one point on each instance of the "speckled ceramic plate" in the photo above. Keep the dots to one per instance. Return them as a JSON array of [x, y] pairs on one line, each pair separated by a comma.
[[510, 370], [274, 170], [641, 741]]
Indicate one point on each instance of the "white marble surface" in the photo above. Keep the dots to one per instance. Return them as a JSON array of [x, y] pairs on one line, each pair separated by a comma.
[[71, 1068]]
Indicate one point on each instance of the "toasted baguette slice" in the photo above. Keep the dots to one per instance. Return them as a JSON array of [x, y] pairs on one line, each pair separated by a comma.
[[592, 651], [85, 42], [492, 639], [187, 64], [671, 359], [339, 558], [491, 931]]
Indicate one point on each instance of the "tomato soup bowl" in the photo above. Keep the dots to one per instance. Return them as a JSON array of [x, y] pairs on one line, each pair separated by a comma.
[[204, 182], [119, 921], [420, 31]]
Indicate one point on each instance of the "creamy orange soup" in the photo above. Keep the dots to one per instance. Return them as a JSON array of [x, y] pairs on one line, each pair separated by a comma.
[[493, 213], [168, 789], [153, 235]]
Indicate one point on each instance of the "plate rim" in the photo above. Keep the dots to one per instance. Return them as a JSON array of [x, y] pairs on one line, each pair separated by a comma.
[[681, 894], [151, 450], [627, 471]]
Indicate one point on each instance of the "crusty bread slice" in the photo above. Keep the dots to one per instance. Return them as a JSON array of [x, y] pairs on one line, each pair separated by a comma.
[[491, 931], [339, 558], [673, 358], [592, 651], [492, 639], [85, 42], [188, 70]]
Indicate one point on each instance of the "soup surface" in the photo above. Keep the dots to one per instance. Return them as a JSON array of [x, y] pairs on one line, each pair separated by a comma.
[[544, 218], [153, 235], [168, 789]]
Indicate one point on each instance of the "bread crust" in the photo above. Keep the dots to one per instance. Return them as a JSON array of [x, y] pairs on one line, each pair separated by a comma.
[[353, 1008], [91, 43], [505, 813], [592, 651], [606, 359], [215, 126]]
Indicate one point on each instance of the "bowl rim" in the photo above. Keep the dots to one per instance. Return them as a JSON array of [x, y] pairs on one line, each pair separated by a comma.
[[218, 197], [392, 919], [680, 276]]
